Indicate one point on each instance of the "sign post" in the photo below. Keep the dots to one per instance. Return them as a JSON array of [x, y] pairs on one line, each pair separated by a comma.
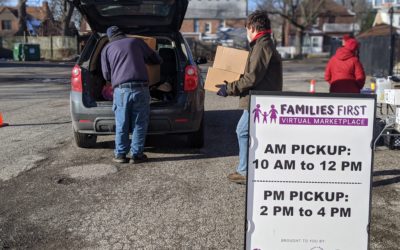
[[309, 171]]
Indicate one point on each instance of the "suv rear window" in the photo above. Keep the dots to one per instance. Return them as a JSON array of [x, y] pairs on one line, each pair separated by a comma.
[[166, 43], [136, 8]]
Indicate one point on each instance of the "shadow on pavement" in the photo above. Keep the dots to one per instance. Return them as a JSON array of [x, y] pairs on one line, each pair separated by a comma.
[[37, 124], [220, 139], [26, 90], [386, 181], [24, 80], [36, 64]]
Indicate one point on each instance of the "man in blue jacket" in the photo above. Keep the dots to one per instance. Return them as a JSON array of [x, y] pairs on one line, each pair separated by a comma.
[[123, 62]]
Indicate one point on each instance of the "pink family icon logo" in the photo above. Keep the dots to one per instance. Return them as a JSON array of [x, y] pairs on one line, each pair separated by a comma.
[[272, 114]]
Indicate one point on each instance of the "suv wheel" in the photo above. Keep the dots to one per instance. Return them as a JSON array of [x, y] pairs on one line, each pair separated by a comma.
[[85, 140], [196, 139]]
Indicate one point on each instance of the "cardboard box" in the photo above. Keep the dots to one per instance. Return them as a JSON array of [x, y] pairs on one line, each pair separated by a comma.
[[153, 70], [229, 59], [229, 65], [392, 96], [218, 76], [150, 41], [397, 115], [389, 97], [153, 73]]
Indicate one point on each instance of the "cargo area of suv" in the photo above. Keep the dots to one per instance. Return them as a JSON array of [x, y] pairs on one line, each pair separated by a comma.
[[163, 92], [177, 94]]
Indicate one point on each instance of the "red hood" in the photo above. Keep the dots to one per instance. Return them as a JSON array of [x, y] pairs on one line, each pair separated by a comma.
[[344, 54]]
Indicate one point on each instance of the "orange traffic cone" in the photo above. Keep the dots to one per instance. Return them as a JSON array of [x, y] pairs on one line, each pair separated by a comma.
[[2, 124], [312, 86]]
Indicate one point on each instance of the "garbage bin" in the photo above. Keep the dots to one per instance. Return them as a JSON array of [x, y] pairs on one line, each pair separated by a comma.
[[26, 52], [17, 51]]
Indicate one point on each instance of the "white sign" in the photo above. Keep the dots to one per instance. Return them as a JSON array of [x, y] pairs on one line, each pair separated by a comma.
[[309, 171]]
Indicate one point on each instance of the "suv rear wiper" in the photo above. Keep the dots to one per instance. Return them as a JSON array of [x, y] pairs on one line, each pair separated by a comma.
[[138, 30]]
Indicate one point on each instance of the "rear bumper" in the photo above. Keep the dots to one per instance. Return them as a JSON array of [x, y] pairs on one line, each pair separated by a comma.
[[174, 119]]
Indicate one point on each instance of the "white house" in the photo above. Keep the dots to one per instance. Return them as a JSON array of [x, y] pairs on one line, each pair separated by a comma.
[[383, 17], [383, 14]]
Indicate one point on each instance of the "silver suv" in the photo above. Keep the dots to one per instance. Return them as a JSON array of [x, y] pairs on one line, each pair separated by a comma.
[[180, 111]]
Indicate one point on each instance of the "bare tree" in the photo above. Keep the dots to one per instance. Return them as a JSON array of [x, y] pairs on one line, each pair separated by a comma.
[[364, 14], [66, 18], [300, 14], [22, 17], [361, 8], [47, 11], [350, 4], [63, 10]]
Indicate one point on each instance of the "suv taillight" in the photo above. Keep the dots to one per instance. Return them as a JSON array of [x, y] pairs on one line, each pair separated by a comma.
[[76, 79], [191, 78]]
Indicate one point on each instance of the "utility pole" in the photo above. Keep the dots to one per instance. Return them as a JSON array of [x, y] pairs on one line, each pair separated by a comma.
[[391, 46]]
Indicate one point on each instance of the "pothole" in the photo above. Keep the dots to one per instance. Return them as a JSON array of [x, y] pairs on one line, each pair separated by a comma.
[[64, 181], [90, 171]]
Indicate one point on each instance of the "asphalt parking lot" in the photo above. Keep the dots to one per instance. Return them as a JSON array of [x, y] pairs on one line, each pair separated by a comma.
[[54, 195]]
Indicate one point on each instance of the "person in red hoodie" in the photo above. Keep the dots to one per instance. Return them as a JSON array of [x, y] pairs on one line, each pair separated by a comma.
[[344, 71]]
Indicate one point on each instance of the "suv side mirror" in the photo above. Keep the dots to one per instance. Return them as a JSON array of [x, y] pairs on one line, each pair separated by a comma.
[[201, 60]]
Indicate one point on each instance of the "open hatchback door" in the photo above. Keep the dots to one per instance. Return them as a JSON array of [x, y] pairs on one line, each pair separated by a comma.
[[133, 15]]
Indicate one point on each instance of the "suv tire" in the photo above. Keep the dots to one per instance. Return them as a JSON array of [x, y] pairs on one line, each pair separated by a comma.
[[85, 140], [196, 139]]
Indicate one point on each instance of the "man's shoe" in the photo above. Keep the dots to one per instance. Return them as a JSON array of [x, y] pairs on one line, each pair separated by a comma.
[[139, 159], [237, 178], [120, 159]]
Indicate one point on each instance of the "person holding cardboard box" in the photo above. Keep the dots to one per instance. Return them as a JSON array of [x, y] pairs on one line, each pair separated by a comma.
[[263, 72], [123, 63]]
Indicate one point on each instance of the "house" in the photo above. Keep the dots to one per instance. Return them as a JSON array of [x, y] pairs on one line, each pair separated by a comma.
[[385, 4], [207, 20], [378, 30], [8, 20], [204, 19], [383, 17], [333, 21], [379, 51], [35, 16]]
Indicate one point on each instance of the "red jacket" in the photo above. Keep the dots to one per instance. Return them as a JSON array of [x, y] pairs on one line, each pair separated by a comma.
[[344, 71]]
